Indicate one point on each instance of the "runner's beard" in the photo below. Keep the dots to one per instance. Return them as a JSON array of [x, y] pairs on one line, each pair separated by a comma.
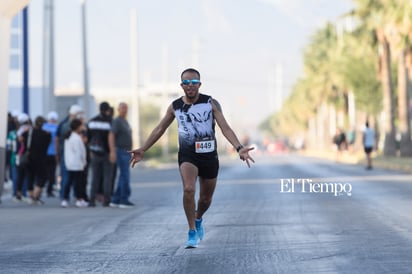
[[191, 96]]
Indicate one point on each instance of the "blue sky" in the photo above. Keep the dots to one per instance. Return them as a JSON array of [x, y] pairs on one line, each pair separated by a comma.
[[240, 43]]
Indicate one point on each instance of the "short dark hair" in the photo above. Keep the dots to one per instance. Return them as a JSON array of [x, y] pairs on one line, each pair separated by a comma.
[[104, 107], [39, 121], [190, 70], [75, 124]]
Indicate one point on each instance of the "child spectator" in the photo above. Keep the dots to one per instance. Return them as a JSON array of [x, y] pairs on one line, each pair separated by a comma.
[[75, 159]]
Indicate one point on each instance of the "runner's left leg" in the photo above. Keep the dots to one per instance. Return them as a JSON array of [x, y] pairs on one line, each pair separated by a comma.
[[207, 188]]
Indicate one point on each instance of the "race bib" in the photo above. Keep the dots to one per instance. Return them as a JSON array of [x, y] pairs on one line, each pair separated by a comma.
[[205, 146]]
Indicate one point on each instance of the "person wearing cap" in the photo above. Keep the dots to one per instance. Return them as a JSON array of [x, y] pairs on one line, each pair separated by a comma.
[[24, 123], [75, 111], [102, 153], [51, 127], [21, 170]]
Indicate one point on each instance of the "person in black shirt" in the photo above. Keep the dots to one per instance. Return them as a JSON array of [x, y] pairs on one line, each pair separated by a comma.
[[37, 175], [100, 142], [340, 141]]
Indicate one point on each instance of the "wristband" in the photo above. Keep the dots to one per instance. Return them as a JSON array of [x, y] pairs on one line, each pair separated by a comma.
[[239, 148]]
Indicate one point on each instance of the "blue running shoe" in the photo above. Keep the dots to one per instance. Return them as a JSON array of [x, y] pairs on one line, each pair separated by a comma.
[[192, 240], [199, 228]]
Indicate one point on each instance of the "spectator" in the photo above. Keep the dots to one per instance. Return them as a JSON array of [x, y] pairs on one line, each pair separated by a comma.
[[75, 159], [51, 127], [351, 139], [123, 141], [102, 152], [63, 128], [11, 148], [340, 141], [40, 141], [100, 194], [11, 126], [23, 142]]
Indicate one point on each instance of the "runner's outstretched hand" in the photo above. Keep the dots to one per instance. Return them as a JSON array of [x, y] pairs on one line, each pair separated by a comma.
[[244, 155], [135, 156]]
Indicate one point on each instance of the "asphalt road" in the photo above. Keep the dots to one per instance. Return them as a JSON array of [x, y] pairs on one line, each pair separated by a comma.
[[360, 223]]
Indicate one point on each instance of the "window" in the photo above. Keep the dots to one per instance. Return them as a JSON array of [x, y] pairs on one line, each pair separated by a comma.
[[15, 41], [14, 61], [16, 21]]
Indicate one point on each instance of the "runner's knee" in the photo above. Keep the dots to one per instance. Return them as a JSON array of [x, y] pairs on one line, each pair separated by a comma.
[[189, 190]]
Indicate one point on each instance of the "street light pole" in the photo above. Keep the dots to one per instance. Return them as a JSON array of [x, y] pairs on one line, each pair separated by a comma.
[[164, 105], [85, 64], [135, 98], [48, 56], [25, 61]]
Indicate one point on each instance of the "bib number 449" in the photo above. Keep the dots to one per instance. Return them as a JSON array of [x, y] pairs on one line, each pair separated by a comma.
[[205, 146]]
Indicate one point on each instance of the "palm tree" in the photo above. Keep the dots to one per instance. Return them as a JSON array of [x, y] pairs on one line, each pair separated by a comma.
[[398, 30], [372, 14], [312, 90], [356, 64]]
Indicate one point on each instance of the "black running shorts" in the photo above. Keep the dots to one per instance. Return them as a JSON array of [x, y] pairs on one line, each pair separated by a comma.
[[208, 168], [368, 150]]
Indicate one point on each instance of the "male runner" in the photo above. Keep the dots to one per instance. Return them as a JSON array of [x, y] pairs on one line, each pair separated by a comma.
[[196, 114]]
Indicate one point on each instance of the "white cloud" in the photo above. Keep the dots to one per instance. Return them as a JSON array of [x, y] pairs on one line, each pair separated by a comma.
[[215, 17]]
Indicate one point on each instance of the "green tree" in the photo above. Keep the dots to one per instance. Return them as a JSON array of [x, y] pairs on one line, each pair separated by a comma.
[[150, 116], [359, 70], [372, 14], [398, 30]]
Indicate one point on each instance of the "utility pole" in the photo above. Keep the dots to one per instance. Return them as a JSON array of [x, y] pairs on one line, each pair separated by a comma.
[[48, 56], [164, 105], [135, 104], [86, 93], [25, 61]]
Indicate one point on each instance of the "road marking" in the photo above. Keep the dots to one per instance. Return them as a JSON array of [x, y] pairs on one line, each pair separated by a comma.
[[268, 181]]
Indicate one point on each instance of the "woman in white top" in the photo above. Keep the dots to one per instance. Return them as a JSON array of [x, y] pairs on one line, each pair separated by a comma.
[[75, 160]]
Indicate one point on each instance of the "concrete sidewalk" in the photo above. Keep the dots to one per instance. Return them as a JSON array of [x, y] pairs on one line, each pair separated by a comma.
[[359, 158]]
